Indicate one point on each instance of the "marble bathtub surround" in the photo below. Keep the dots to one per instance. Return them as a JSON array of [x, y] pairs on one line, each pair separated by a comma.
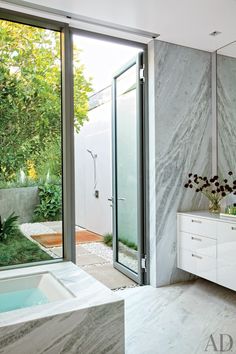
[[180, 141], [92, 321], [214, 189]]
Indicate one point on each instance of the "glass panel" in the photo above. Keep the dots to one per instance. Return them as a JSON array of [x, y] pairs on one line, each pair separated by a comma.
[[30, 144], [127, 169]]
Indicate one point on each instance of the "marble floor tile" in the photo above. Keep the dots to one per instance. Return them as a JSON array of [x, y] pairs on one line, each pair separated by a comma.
[[178, 318]]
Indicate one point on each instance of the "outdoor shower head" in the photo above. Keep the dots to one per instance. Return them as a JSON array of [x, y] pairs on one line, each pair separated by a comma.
[[94, 156]]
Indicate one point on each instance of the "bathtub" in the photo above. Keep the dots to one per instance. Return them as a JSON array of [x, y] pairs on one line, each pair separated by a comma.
[[77, 314], [31, 290]]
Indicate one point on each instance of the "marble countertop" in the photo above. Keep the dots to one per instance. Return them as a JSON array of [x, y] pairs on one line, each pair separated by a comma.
[[207, 215], [88, 292]]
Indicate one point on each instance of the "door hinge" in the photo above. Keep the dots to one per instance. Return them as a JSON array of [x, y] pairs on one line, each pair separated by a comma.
[[144, 263], [141, 74]]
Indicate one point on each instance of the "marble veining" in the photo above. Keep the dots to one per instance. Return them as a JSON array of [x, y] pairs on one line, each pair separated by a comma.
[[178, 318], [226, 113], [91, 322], [182, 143]]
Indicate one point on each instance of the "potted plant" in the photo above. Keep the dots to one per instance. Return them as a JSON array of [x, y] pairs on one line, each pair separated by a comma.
[[214, 188]]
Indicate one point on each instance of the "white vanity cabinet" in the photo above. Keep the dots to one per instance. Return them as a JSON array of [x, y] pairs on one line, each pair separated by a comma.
[[206, 246], [226, 254]]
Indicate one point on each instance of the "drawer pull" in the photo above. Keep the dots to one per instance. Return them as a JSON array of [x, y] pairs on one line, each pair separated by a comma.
[[196, 256], [197, 221], [233, 228], [196, 238]]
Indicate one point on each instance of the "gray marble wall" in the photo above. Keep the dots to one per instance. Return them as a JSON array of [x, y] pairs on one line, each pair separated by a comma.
[[226, 112], [180, 142]]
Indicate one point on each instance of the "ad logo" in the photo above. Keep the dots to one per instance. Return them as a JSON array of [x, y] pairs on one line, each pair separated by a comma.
[[223, 344]]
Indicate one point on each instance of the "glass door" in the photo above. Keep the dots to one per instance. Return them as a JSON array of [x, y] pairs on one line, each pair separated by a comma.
[[127, 200]]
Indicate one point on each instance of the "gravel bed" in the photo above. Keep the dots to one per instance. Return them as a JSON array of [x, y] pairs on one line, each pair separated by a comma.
[[99, 249], [126, 287], [128, 261], [36, 228], [104, 251]]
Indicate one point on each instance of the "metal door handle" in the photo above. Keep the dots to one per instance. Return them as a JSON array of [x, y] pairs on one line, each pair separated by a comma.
[[111, 199]]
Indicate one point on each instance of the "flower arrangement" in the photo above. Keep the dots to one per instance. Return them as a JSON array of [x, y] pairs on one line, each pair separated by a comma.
[[214, 189]]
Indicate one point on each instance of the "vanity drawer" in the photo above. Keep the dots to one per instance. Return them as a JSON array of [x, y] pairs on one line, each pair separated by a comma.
[[200, 244], [197, 226], [202, 266]]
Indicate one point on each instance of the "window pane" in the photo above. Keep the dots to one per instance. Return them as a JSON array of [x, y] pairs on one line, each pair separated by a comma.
[[30, 144], [127, 169]]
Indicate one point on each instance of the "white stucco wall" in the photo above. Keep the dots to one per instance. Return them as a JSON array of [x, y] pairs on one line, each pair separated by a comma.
[[94, 214]]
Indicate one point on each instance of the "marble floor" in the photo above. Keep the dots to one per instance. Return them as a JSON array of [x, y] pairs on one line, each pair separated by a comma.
[[179, 318]]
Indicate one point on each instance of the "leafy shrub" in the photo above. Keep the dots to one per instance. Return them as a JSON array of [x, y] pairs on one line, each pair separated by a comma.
[[107, 239], [8, 226], [49, 161], [128, 243], [30, 99], [50, 203]]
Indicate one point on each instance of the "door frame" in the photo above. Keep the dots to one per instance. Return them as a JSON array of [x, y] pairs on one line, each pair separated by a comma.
[[138, 277], [145, 145], [68, 118]]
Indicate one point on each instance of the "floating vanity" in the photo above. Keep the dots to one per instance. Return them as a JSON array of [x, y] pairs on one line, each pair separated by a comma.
[[58, 308], [206, 246]]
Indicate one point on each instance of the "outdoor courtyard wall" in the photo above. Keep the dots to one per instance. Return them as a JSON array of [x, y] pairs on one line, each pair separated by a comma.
[[21, 201]]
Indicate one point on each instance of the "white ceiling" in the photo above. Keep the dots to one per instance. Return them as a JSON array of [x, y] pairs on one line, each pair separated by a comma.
[[184, 22], [229, 50]]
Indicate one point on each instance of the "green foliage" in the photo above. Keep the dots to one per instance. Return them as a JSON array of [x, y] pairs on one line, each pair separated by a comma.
[[30, 99], [50, 161], [17, 249], [17, 184], [8, 226], [128, 243], [49, 208], [107, 239]]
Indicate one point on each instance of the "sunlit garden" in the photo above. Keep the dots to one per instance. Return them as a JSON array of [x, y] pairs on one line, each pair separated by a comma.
[[31, 138]]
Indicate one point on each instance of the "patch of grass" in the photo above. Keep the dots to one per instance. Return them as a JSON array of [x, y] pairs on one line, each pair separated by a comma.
[[129, 243], [108, 241], [17, 249]]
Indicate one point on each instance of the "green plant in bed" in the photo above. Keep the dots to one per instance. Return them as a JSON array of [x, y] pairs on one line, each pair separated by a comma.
[[49, 207], [15, 248], [8, 226], [108, 240]]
